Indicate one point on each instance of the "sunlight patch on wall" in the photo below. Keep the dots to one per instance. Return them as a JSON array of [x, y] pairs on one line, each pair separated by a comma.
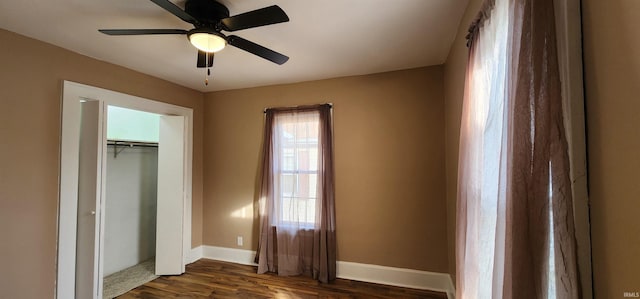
[[244, 212]]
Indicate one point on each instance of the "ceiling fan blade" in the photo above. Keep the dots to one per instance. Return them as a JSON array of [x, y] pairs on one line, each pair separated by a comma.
[[176, 11], [141, 31], [256, 49], [260, 17], [202, 57]]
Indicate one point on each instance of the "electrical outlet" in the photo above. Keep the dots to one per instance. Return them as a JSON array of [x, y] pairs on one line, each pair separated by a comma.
[[239, 240]]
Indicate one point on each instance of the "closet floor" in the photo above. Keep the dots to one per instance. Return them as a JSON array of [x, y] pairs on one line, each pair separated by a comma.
[[128, 279]]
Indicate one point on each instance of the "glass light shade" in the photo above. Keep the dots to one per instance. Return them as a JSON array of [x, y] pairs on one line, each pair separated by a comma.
[[207, 42]]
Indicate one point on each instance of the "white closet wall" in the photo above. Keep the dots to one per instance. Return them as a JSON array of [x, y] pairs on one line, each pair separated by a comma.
[[130, 208]]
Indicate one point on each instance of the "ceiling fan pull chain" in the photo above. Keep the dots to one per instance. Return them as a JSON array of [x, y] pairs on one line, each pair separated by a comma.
[[206, 77]]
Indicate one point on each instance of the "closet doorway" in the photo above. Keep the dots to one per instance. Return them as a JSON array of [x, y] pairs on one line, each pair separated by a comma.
[[131, 199], [83, 187]]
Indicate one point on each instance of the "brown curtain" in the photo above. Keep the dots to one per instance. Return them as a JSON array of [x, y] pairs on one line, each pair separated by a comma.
[[294, 241], [515, 230]]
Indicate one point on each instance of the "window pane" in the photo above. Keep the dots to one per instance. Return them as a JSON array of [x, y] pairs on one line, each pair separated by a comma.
[[288, 182], [288, 159], [297, 146], [313, 158]]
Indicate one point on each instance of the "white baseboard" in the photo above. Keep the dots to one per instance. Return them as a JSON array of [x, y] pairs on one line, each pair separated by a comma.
[[194, 255], [440, 282], [234, 255], [409, 278]]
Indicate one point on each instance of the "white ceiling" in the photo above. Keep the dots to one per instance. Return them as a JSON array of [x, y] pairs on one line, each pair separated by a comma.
[[324, 39]]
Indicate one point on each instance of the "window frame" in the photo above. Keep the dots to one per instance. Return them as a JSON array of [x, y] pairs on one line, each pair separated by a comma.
[[311, 145]]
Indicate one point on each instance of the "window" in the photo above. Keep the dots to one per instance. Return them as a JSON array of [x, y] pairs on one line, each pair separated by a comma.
[[297, 216], [296, 150]]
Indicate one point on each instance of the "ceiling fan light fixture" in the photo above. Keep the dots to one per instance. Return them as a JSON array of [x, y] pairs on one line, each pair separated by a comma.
[[207, 40]]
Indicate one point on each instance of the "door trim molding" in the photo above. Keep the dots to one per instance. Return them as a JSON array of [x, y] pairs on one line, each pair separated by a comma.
[[67, 204]]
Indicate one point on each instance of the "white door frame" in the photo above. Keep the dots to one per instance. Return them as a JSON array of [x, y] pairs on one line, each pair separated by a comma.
[[68, 200]]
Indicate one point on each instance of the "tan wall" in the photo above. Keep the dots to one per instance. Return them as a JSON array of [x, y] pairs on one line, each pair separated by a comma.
[[31, 74], [612, 81], [454, 77], [389, 159]]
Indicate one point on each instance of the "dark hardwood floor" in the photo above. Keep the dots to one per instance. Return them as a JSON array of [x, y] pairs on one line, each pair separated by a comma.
[[215, 279]]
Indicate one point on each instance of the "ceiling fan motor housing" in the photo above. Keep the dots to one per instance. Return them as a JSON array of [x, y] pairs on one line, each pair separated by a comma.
[[208, 12]]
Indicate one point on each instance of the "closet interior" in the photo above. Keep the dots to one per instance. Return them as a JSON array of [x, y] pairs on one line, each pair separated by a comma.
[[131, 199]]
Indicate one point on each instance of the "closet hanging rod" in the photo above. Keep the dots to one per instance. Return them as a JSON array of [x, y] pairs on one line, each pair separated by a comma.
[[129, 144], [132, 143]]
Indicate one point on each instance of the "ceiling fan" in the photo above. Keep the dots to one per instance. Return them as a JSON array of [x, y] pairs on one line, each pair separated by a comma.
[[209, 18]]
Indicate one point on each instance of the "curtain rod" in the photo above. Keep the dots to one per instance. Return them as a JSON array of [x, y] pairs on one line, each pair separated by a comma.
[[330, 106]]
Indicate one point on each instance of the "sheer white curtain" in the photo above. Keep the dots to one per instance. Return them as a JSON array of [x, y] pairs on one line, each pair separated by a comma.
[[483, 144], [295, 166]]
